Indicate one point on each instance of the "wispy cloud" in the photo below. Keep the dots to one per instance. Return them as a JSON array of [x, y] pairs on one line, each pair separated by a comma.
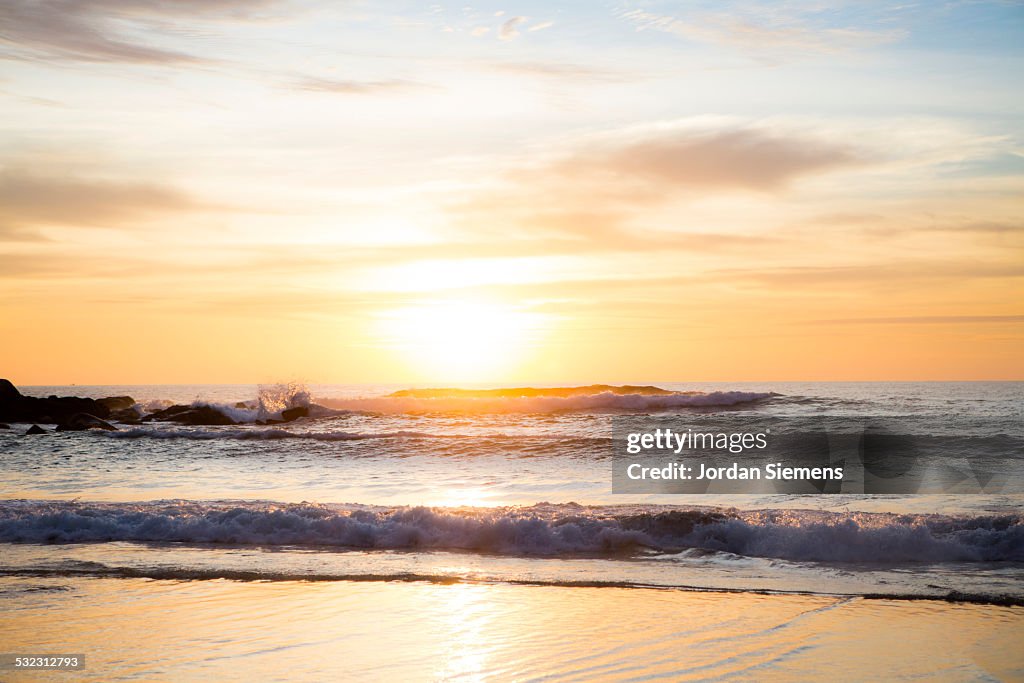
[[925, 320], [31, 199], [353, 87], [88, 31], [731, 157], [562, 71], [510, 29], [771, 27]]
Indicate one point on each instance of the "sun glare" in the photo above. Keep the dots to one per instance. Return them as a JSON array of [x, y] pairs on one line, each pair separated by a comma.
[[460, 340]]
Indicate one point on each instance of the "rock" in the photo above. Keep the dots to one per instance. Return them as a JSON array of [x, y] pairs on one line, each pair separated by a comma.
[[241, 404], [191, 415], [116, 403], [17, 408], [167, 414], [294, 413], [124, 415], [4, 425], [36, 429], [79, 422], [204, 415], [8, 392]]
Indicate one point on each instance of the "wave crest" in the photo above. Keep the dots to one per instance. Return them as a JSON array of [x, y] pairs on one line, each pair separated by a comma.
[[543, 530], [606, 401]]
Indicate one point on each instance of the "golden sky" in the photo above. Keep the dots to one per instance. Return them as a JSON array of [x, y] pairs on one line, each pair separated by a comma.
[[228, 191]]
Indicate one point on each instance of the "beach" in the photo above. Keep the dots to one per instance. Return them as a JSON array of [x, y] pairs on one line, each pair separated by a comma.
[[140, 629]]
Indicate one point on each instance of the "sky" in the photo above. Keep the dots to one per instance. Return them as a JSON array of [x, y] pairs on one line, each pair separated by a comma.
[[367, 192]]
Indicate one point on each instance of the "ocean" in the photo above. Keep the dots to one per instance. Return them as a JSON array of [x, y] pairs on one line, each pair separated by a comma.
[[385, 513]]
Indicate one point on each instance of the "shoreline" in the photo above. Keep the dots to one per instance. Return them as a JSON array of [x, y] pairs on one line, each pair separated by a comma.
[[418, 631]]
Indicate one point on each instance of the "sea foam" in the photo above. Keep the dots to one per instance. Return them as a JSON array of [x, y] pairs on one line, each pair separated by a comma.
[[543, 530]]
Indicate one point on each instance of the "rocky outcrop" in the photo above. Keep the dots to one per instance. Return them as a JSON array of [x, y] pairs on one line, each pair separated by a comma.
[[117, 403], [55, 409], [190, 415], [71, 413], [79, 422], [128, 416], [36, 429], [294, 413], [8, 392]]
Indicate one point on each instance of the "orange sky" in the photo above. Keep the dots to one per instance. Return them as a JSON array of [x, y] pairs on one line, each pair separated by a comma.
[[252, 192]]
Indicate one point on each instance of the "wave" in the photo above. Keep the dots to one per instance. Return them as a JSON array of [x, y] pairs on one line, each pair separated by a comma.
[[605, 401], [541, 530], [273, 400], [73, 569], [530, 392], [255, 434]]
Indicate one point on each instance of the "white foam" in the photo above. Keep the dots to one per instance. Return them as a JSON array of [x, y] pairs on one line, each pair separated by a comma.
[[541, 530]]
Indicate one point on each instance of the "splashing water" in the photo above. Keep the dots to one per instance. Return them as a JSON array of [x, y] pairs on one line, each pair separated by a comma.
[[271, 399]]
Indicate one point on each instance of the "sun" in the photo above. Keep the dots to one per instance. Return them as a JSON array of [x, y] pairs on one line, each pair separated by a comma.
[[464, 341]]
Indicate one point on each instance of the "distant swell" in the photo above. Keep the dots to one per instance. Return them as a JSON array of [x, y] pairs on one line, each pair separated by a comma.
[[253, 434], [545, 530], [601, 402]]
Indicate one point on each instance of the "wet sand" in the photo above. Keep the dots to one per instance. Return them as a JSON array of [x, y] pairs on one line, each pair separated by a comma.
[[155, 630]]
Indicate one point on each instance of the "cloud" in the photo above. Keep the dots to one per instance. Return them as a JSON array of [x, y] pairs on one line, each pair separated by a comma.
[[606, 192], [95, 30], [29, 200], [561, 71], [883, 276], [352, 87], [510, 29], [759, 28], [925, 320], [541, 26], [728, 158]]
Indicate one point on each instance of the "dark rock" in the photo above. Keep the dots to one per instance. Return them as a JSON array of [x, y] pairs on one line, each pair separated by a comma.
[[294, 413], [204, 415], [8, 392], [190, 415], [241, 404], [124, 415], [82, 421], [167, 414], [17, 408], [116, 403], [4, 425], [274, 422], [36, 429]]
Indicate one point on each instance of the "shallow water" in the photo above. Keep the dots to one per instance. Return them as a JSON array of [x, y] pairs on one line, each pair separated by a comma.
[[138, 629]]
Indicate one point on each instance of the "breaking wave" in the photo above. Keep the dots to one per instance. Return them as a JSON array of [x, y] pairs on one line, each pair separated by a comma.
[[542, 530], [508, 402], [272, 400]]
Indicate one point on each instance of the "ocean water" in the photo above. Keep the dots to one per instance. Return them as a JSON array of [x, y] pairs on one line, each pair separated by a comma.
[[503, 490]]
